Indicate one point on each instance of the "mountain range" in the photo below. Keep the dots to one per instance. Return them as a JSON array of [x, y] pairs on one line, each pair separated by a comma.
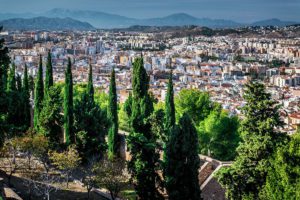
[[106, 20], [45, 23]]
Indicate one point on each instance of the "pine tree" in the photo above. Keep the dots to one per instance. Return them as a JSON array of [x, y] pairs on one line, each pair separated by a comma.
[[69, 136], [247, 176], [182, 162], [113, 141], [50, 119], [169, 105], [91, 124], [141, 141], [38, 94], [11, 85], [26, 97], [49, 74]]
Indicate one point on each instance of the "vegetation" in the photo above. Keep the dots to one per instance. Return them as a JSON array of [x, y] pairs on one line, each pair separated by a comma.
[[111, 174], [169, 105], [246, 178], [182, 162], [194, 103], [64, 138], [283, 178], [91, 123], [66, 161], [141, 140], [69, 136], [38, 94], [218, 135], [49, 74], [113, 140]]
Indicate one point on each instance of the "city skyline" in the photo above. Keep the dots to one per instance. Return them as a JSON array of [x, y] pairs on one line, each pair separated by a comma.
[[240, 11]]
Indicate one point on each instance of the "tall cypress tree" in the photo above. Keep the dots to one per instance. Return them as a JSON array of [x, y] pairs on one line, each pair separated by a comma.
[[169, 105], [19, 83], [69, 136], [38, 94], [49, 74], [11, 85], [113, 141], [26, 97], [4, 63], [90, 86], [141, 141], [182, 162]]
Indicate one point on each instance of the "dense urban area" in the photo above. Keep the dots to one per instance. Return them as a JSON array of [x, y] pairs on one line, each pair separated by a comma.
[[148, 113]]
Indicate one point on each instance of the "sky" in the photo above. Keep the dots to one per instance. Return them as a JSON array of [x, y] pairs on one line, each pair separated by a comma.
[[237, 10]]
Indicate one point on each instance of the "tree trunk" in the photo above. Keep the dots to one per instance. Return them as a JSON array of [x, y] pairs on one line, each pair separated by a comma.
[[67, 180], [88, 193], [9, 179], [112, 195]]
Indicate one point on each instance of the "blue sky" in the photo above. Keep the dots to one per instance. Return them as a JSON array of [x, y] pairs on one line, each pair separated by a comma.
[[238, 10]]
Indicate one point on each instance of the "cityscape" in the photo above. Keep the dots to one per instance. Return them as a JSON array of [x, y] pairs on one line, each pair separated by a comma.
[[181, 107]]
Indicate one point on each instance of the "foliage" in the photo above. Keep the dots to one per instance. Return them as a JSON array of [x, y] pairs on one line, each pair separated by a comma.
[[169, 105], [38, 94], [49, 74], [11, 85], [69, 136], [8, 154], [91, 126], [88, 172], [111, 174], [283, 180], [113, 139], [141, 141], [51, 119], [218, 135], [66, 161], [124, 123], [26, 99], [193, 102], [182, 162], [247, 176]]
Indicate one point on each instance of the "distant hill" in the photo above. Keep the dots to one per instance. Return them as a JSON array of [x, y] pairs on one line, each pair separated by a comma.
[[45, 23], [273, 22], [97, 19], [106, 20], [182, 19]]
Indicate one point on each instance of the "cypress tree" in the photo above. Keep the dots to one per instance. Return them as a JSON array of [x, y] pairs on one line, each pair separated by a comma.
[[113, 142], [169, 105], [182, 162], [4, 63], [26, 96], [11, 85], [49, 74], [19, 83], [38, 94], [90, 87], [141, 141], [69, 136]]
